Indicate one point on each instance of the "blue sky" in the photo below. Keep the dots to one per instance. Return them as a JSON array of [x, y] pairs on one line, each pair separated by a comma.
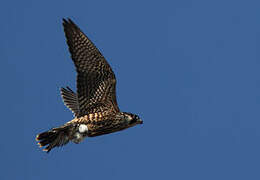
[[189, 68]]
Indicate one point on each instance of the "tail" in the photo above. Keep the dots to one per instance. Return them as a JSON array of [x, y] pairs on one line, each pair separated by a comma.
[[54, 138]]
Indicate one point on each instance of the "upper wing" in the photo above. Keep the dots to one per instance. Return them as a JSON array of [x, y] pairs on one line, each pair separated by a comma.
[[96, 82]]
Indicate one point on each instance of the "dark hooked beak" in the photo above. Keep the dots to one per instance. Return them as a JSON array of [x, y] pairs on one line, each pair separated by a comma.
[[140, 121]]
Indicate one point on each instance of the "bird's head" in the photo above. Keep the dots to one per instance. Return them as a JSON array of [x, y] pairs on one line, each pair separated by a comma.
[[132, 119]]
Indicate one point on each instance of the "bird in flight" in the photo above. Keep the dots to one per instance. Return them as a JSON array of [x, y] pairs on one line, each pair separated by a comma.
[[94, 105]]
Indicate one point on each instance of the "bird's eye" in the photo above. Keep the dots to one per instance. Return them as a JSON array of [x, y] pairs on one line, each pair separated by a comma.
[[136, 117]]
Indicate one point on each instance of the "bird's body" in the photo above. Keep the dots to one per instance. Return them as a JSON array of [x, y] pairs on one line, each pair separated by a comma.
[[94, 105], [102, 123]]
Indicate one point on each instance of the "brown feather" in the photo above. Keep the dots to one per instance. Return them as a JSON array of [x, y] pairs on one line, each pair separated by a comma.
[[96, 82]]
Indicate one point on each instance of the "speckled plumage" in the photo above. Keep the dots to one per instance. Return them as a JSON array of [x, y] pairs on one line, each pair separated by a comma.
[[94, 104]]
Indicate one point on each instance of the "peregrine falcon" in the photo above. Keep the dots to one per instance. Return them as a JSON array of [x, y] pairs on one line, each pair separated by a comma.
[[94, 105]]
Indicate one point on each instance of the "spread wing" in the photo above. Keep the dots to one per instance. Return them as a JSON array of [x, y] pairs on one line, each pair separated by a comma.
[[70, 99], [96, 82]]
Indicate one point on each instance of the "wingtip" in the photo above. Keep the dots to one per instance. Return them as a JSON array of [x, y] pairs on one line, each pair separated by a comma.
[[69, 25], [69, 89], [64, 21], [70, 21], [67, 21], [66, 89]]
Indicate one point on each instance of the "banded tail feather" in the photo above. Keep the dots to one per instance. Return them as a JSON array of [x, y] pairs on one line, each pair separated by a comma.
[[53, 138], [60, 136]]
